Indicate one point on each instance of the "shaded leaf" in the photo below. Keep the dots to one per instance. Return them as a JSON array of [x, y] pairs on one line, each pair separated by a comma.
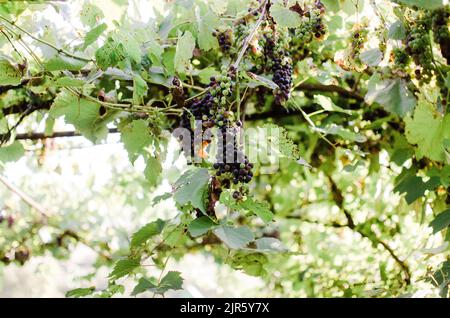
[[123, 268], [147, 232], [200, 226], [234, 237], [190, 188], [441, 222]]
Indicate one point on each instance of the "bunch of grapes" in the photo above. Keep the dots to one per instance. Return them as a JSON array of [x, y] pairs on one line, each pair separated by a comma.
[[232, 163], [279, 61], [439, 21], [401, 58], [225, 39], [312, 27]]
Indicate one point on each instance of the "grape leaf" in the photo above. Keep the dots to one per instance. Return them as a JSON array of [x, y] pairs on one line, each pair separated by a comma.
[[414, 187], [123, 267], [285, 17], [191, 187], [135, 137], [9, 74], [393, 95], [397, 31], [171, 281], [251, 263], [80, 292], [234, 237], [139, 90], [428, 130], [69, 81], [184, 51], [110, 54], [152, 170], [201, 226], [207, 21], [82, 113], [371, 57], [327, 103], [61, 62], [93, 35], [12, 152], [147, 232], [90, 14], [424, 4], [142, 286], [441, 222]]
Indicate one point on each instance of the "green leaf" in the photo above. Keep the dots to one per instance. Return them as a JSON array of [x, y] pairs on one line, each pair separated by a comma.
[[207, 21], [423, 4], [123, 268], [184, 51], [80, 292], [347, 134], [371, 57], [147, 232], [414, 187], [251, 263], [441, 222], [93, 35], [280, 141], [191, 187], [142, 286], [130, 44], [397, 31], [285, 17], [327, 103], [13, 152], [69, 81], [152, 170], [161, 198], [90, 14], [175, 235], [61, 62], [201, 226], [110, 54], [249, 205], [234, 237], [82, 113], [171, 281], [206, 73], [428, 129], [393, 95], [9, 74], [135, 137], [139, 90]]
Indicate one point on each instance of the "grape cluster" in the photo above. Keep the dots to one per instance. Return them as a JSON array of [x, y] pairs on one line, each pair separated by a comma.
[[419, 48], [312, 27], [280, 63], [401, 58], [232, 165], [225, 39], [439, 21]]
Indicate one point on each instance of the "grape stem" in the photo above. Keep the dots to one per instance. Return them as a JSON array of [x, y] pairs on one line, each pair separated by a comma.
[[59, 50], [249, 38]]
